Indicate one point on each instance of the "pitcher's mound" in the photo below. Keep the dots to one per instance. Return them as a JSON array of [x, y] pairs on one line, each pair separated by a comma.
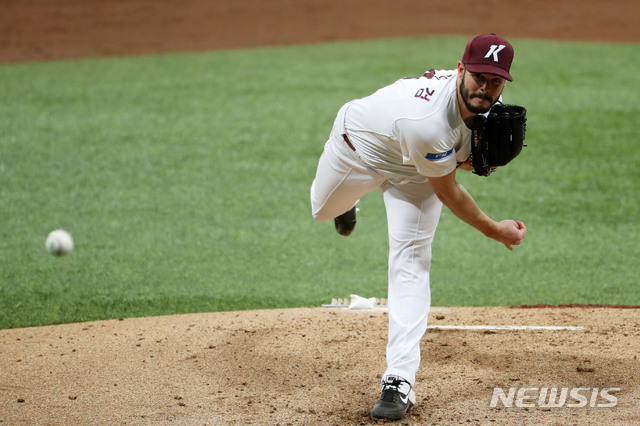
[[322, 366]]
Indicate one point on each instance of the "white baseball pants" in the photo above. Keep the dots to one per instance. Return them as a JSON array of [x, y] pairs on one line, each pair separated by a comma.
[[413, 211]]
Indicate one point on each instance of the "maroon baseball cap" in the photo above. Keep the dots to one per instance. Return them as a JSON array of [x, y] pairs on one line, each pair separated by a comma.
[[488, 53]]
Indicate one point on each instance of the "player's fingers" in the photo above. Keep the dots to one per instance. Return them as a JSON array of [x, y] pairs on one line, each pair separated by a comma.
[[522, 230]]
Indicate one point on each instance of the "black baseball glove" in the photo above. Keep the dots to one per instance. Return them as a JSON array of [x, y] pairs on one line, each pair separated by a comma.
[[497, 138]]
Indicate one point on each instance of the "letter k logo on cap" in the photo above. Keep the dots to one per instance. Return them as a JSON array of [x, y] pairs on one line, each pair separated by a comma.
[[494, 50]]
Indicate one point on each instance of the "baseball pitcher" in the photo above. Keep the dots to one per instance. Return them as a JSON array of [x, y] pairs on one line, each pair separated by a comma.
[[409, 139]]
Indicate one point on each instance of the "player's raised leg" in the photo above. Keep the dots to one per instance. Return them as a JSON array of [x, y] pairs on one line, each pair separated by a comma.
[[341, 180]]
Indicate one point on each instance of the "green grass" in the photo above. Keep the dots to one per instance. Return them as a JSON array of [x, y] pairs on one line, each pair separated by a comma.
[[184, 180]]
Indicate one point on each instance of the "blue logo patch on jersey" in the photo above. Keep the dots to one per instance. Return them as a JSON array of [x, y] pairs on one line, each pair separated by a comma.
[[438, 155]]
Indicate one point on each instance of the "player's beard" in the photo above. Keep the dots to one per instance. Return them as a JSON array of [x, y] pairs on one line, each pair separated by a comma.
[[466, 98]]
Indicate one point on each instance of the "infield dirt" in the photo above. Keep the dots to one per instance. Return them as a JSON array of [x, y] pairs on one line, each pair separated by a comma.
[[309, 365], [316, 366]]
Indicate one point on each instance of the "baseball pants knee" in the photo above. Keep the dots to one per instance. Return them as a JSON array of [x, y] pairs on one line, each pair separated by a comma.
[[341, 180]]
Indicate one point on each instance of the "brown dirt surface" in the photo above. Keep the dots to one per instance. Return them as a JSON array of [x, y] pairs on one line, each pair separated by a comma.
[[308, 365], [315, 366], [34, 30]]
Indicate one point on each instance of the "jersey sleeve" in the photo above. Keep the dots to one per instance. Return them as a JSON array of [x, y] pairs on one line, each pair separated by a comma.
[[430, 146], [433, 161]]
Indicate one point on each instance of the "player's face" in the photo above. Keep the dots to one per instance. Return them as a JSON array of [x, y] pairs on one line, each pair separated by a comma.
[[480, 91]]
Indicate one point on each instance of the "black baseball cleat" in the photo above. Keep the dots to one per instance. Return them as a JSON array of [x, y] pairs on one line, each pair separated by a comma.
[[346, 222], [396, 399]]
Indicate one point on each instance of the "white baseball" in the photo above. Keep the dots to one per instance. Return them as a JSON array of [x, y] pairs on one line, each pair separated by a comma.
[[59, 242]]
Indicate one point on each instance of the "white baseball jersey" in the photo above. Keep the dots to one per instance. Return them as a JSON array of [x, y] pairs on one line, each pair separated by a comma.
[[411, 129]]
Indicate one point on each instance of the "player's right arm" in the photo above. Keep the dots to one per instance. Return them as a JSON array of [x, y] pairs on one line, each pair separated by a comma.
[[459, 201]]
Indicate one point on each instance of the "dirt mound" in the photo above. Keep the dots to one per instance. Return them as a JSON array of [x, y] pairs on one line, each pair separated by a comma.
[[319, 366]]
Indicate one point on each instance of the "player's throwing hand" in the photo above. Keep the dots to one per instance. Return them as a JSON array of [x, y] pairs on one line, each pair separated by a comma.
[[510, 233]]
